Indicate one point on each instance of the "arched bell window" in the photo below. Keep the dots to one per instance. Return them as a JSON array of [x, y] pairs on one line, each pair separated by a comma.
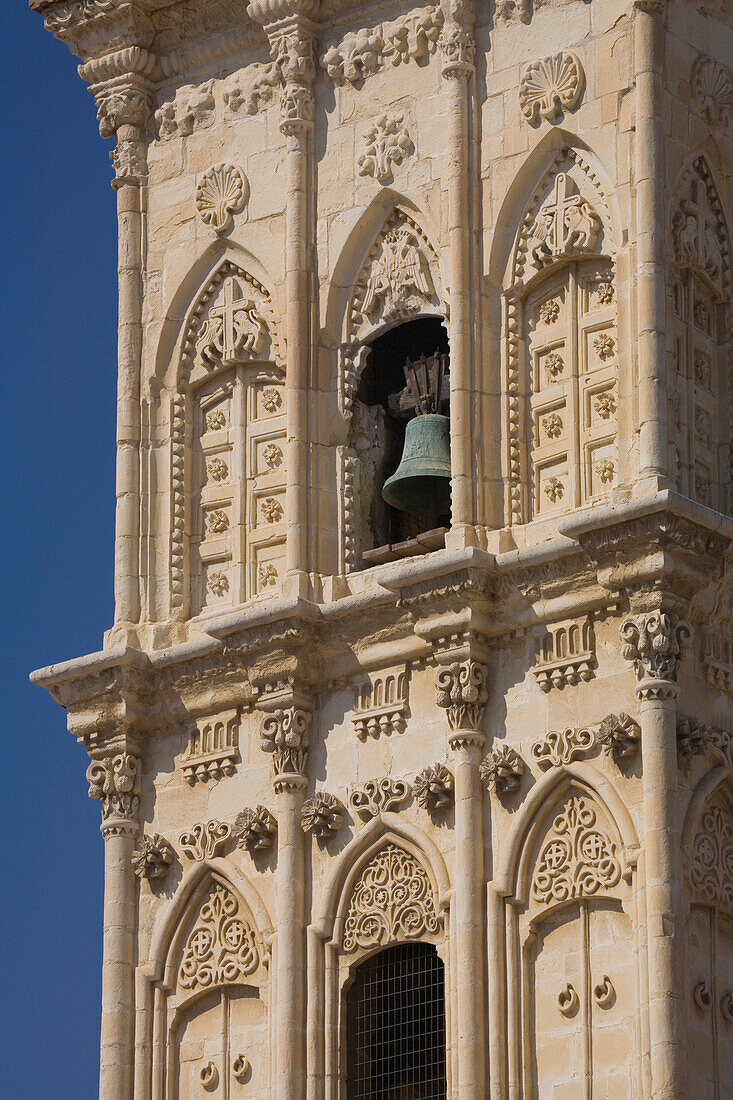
[[395, 1026]]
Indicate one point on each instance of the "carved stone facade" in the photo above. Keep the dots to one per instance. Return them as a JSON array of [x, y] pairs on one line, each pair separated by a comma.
[[322, 733]]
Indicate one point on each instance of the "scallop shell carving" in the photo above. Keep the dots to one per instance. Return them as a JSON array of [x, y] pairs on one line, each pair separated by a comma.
[[712, 85], [550, 86], [222, 191]]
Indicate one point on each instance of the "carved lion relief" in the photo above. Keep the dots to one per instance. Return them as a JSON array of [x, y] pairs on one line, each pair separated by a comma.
[[392, 900]]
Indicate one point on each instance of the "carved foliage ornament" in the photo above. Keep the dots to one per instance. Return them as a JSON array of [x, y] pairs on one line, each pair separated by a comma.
[[221, 192], [502, 769], [222, 946], [578, 858], [563, 746], [376, 795], [386, 144], [322, 815], [655, 642], [115, 781], [619, 734], [254, 829], [712, 87], [460, 689], [393, 900], [433, 787], [550, 86], [711, 863], [205, 839], [153, 857], [285, 735], [414, 37]]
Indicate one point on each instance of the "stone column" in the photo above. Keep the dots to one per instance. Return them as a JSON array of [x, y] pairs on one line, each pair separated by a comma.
[[461, 691], [654, 642], [458, 51], [115, 781], [291, 47], [650, 237], [123, 109], [285, 734]]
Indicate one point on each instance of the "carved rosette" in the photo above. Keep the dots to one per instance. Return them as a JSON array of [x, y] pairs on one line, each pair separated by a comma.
[[619, 735], [285, 734], [433, 788], [153, 857], [502, 769], [392, 901], [655, 642], [460, 690], [115, 782], [254, 829], [322, 815]]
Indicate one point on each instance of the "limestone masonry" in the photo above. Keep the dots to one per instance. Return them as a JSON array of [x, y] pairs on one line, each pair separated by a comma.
[[428, 796]]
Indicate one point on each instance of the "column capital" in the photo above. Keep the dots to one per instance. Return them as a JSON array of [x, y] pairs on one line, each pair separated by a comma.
[[457, 44], [285, 733], [655, 641], [124, 106], [115, 781], [460, 690], [292, 49]]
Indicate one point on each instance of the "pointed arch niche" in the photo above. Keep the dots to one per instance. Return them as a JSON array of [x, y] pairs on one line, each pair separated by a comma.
[[700, 310], [708, 854], [395, 311], [561, 346], [572, 952], [388, 887], [228, 449], [209, 995]]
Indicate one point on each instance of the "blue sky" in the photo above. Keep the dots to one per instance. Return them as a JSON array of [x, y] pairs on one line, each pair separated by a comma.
[[58, 402]]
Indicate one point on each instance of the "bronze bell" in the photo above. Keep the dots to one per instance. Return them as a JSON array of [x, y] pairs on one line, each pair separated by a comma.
[[421, 482]]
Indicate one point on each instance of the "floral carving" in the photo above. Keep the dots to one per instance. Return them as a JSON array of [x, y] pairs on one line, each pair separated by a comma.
[[712, 87], [604, 345], [205, 839], [254, 829], [363, 52], [606, 293], [222, 946], [562, 746], [387, 143], [458, 48], [577, 859], [221, 193], [554, 489], [606, 470], [217, 521], [655, 643], [152, 857], [192, 108], [267, 575], [619, 735], [554, 365], [433, 787], [502, 769], [217, 583], [711, 863], [460, 690], [550, 86], [393, 900], [552, 425], [605, 404], [272, 455], [217, 469], [378, 795], [285, 734], [115, 782], [322, 815], [271, 398], [550, 311], [272, 509], [216, 420]]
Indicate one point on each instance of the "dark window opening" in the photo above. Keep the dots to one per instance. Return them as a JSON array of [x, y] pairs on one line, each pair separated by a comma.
[[395, 1013], [384, 422]]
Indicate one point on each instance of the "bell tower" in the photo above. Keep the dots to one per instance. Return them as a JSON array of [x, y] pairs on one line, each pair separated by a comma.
[[413, 733]]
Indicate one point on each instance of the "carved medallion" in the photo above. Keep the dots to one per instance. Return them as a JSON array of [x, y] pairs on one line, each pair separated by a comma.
[[221, 193], [393, 900], [550, 86]]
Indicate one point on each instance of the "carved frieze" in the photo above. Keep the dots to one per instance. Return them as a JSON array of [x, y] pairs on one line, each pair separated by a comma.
[[254, 829], [433, 787], [386, 144], [221, 192], [577, 858], [392, 900], [213, 747], [152, 857], [205, 839], [381, 703], [711, 859], [413, 37], [502, 769], [191, 109], [566, 655], [222, 946], [322, 815], [563, 746], [550, 86], [378, 795]]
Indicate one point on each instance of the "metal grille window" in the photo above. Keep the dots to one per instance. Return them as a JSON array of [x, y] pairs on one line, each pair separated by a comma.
[[396, 1026]]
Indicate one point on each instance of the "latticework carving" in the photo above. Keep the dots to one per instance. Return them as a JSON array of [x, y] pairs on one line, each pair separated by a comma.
[[711, 860], [393, 900], [222, 946], [578, 859]]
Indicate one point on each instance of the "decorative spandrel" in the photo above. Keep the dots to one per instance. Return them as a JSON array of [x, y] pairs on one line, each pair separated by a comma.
[[392, 900]]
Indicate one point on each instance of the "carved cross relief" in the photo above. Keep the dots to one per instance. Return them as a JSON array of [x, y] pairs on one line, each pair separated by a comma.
[[566, 221], [233, 330], [695, 229]]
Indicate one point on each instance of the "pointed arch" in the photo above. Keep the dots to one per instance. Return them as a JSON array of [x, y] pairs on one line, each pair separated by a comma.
[[535, 818], [383, 830]]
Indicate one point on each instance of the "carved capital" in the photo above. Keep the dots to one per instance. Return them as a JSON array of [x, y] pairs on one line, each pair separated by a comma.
[[293, 59], [655, 641], [125, 103], [115, 782], [285, 734], [458, 50], [460, 689]]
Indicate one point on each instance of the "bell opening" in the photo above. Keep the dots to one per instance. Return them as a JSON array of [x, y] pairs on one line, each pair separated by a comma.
[[405, 446]]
